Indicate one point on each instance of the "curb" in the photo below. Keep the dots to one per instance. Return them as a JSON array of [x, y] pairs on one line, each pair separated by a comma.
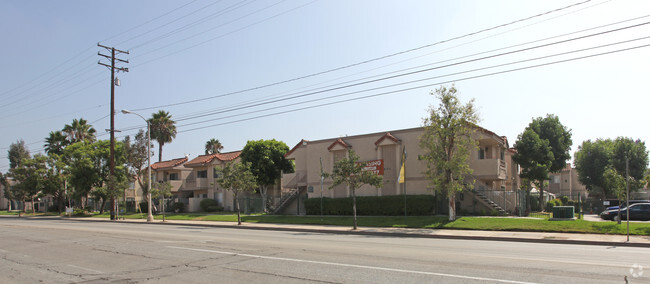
[[362, 232]]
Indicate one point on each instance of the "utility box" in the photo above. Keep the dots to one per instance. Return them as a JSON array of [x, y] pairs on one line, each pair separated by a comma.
[[563, 212]]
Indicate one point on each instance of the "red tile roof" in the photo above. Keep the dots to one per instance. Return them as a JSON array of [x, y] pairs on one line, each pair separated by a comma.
[[168, 164], [206, 159], [339, 141], [387, 136]]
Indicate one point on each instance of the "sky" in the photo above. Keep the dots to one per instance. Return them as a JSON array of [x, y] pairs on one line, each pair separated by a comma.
[[291, 70]]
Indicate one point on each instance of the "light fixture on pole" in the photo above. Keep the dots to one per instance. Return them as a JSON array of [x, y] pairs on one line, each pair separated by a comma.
[[149, 216]]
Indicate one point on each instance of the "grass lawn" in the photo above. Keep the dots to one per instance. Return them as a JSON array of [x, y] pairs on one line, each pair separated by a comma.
[[431, 222]]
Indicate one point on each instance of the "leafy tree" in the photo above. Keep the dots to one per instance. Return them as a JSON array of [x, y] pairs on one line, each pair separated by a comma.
[[16, 153], [30, 178], [55, 143], [267, 163], [163, 129], [592, 160], [615, 183], [543, 148], [635, 152], [213, 146], [161, 190], [349, 171], [79, 131], [238, 178], [55, 179], [6, 191], [88, 164], [447, 144], [137, 159]]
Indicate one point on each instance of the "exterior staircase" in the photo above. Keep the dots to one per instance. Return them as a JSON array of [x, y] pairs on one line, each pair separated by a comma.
[[286, 200], [486, 200]]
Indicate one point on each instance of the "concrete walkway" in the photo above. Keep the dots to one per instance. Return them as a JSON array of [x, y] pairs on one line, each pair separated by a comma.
[[536, 237]]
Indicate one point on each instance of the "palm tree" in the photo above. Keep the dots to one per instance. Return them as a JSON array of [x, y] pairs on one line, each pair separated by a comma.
[[163, 129], [213, 146], [79, 130], [55, 143]]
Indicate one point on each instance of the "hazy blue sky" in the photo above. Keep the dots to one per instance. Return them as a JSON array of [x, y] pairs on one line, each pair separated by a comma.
[[199, 56]]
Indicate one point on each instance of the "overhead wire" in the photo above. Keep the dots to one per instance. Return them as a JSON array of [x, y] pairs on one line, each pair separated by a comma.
[[369, 60], [417, 87]]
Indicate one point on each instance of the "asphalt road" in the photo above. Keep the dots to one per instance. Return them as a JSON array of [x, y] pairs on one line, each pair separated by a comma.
[[60, 251]]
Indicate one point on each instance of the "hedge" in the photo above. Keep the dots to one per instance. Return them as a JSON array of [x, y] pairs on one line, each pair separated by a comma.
[[393, 205]]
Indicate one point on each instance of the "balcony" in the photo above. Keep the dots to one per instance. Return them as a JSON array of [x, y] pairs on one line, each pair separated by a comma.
[[489, 169]]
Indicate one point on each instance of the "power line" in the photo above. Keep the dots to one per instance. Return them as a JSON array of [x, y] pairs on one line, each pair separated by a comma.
[[417, 87], [365, 61], [302, 95]]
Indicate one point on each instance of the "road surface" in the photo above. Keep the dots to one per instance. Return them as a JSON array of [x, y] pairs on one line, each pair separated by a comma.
[[63, 251]]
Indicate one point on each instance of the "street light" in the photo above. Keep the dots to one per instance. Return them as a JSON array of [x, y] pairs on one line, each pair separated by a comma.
[[149, 216]]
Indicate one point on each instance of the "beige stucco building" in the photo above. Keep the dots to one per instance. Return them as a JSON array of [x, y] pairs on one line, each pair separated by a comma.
[[491, 161], [566, 183]]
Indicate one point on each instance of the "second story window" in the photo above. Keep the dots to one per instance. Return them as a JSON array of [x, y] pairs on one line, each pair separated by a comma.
[[481, 153], [173, 176], [202, 174]]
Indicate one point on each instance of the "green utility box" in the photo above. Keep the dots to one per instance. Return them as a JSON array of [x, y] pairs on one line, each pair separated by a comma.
[[563, 212]]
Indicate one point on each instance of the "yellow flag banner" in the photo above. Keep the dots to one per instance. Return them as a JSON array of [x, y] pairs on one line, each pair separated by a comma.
[[402, 169]]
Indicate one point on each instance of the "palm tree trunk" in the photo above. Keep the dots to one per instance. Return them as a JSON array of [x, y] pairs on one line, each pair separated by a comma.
[[160, 151]]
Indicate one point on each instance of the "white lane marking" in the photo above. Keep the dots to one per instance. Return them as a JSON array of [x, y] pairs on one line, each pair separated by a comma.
[[87, 269], [353, 265]]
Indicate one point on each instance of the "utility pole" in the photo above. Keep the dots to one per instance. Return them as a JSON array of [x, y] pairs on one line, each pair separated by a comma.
[[112, 130]]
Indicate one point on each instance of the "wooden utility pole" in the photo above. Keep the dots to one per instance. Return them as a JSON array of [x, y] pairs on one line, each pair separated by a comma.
[[112, 130]]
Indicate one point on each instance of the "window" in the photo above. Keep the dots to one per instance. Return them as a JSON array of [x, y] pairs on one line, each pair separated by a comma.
[[481, 154], [173, 176], [202, 174], [503, 155], [555, 179], [215, 174]]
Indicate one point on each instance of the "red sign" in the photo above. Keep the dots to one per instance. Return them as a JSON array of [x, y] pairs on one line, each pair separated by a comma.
[[375, 166]]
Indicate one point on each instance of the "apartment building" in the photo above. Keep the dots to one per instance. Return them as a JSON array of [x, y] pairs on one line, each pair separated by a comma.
[[491, 161]]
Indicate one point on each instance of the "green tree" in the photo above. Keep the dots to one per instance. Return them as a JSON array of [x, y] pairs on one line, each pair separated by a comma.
[[163, 129], [447, 143], [137, 159], [55, 143], [213, 146], [591, 161], [238, 178], [349, 171], [543, 148], [30, 179], [79, 131], [88, 164], [615, 183], [6, 190], [267, 163], [55, 179], [634, 151], [17, 153]]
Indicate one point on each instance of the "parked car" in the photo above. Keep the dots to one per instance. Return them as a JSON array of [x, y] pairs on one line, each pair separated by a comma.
[[624, 204], [609, 214], [638, 211]]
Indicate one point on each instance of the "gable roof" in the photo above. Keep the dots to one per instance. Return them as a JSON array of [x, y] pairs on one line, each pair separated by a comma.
[[207, 159], [168, 164], [339, 142], [387, 136], [302, 142]]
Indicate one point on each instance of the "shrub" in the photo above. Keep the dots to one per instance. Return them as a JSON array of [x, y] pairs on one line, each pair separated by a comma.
[[178, 207], [207, 203], [214, 208], [417, 205]]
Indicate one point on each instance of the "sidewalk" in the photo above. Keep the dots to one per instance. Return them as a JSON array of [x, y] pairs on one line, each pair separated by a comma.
[[535, 237]]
